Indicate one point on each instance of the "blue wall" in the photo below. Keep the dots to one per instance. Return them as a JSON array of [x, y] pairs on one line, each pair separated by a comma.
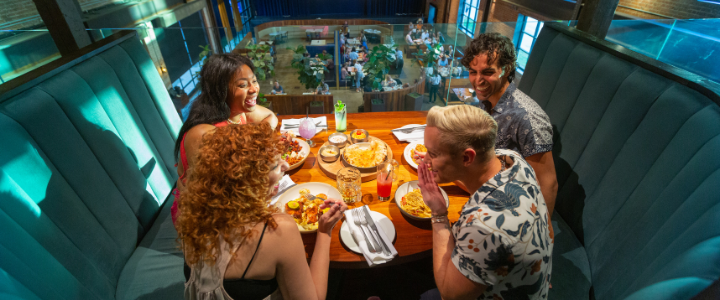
[[277, 8]]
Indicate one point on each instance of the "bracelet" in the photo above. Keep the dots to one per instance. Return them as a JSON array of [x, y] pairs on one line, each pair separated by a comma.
[[439, 219]]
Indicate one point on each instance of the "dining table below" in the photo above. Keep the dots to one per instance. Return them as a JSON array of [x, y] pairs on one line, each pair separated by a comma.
[[414, 238]]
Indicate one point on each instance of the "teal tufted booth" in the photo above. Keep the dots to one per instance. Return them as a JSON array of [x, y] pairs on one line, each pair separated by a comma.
[[86, 173], [637, 154]]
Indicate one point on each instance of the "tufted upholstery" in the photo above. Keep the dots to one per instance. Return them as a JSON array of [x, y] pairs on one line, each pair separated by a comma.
[[637, 163], [86, 167]]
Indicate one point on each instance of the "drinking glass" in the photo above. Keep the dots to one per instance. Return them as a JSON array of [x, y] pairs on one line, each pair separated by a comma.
[[307, 130], [348, 183], [341, 118], [386, 175]]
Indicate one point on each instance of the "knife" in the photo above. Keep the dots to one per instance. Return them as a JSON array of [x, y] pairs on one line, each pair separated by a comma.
[[371, 222]]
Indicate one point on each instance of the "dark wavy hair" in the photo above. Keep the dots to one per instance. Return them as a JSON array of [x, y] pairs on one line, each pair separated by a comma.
[[498, 47], [211, 106]]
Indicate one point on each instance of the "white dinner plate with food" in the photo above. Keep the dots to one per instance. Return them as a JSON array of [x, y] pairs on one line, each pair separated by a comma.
[[381, 221], [294, 194], [413, 207], [409, 150], [297, 157]]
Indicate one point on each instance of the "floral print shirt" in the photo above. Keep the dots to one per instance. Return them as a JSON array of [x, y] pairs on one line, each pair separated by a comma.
[[503, 239], [523, 125]]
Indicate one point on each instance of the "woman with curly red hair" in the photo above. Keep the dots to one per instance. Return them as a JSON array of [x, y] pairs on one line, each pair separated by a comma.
[[236, 245]]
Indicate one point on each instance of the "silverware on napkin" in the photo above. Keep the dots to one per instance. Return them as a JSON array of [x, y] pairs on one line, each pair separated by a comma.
[[371, 223]]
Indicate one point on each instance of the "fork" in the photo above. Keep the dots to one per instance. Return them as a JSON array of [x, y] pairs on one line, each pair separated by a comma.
[[356, 220], [374, 237]]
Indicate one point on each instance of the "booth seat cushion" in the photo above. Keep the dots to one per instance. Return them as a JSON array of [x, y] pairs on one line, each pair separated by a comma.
[[571, 269], [155, 269], [638, 171]]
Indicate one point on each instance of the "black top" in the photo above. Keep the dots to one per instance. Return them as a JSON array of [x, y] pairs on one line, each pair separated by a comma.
[[246, 288]]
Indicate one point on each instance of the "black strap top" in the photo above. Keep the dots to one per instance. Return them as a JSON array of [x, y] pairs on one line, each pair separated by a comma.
[[242, 288]]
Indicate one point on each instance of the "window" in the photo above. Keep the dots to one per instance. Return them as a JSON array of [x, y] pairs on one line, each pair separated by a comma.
[[524, 40], [467, 16]]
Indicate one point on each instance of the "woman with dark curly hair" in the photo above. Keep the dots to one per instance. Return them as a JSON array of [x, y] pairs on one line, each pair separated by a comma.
[[235, 244], [229, 95]]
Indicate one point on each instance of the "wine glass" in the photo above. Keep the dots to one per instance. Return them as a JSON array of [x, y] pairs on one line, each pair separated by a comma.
[[307, 130]]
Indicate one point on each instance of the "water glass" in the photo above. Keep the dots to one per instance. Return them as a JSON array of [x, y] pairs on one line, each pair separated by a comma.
[[348, 184]]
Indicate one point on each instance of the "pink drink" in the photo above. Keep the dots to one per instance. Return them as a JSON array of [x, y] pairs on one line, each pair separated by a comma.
[[384, 185], [307, 130]]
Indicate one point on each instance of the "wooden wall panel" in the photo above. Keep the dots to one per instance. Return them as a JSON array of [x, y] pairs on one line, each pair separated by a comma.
[[394, 100], [297, 104]]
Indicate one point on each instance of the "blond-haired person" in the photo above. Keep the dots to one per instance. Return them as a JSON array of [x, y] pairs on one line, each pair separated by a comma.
[[501, 247]]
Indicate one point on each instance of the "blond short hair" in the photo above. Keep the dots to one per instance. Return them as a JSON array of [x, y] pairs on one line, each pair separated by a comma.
[[465, 126]]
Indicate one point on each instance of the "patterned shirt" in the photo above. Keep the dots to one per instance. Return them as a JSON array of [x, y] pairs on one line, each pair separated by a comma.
[[502, 239], [522, 125]]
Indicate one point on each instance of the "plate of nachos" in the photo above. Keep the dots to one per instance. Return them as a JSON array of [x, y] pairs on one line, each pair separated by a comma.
[[409, 152], [304, 211], [366, 156]]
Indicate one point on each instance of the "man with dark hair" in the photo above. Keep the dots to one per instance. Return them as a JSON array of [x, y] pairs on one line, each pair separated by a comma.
[[522, 125]]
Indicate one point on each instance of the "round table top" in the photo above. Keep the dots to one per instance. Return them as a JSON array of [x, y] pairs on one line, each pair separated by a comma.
[[414, 238]]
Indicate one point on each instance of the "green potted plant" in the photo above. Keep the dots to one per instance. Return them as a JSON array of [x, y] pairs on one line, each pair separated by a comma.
[[428, 57], [309, 75], [378, 65], [377, 105], [264, 65], [262, 101]]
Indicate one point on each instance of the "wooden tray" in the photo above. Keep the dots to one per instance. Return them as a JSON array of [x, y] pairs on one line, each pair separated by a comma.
[[331, 169]]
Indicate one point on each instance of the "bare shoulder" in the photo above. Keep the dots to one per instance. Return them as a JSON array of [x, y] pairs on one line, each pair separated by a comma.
[[196, 133], [285, 222]]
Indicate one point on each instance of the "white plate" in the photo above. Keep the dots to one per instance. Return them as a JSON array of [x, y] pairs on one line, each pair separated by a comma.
[[380, 220], [315, 189], [305, 151], [406, 188], [408, 155]]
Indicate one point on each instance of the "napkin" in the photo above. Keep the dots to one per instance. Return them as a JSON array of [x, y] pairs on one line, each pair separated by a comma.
[[371, 258], [415, 135], [296, 130], [284, 184]]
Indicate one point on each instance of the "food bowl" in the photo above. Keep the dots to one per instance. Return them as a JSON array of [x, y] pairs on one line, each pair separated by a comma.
[[326, 157], [334, 139], [405, 189], [365, 145], [362, 140]]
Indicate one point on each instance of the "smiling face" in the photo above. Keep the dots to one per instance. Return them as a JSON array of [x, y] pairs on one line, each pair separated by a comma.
[[277, 171], [488, 79], [243, 91], [445, 166]]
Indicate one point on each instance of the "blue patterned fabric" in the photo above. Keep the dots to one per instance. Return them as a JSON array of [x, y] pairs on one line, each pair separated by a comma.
[[502, 236], [522, 125]]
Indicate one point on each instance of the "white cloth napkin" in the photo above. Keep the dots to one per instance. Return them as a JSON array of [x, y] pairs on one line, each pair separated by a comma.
[[415, 135], [296, 130], [284, 184], [371, 258]]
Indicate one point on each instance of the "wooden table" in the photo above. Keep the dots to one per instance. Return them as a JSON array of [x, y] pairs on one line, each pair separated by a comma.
[[414, 238]]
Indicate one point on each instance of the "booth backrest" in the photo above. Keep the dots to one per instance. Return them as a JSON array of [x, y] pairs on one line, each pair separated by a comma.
[[636, 153], [85, 164]]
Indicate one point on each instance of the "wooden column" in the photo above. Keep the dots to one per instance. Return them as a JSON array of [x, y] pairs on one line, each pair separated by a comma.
[[236, 16], [596, 15], [208, 18], [64, 22]]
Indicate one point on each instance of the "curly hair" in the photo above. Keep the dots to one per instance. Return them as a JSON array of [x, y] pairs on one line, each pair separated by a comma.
[[497, 46], [227, 188]]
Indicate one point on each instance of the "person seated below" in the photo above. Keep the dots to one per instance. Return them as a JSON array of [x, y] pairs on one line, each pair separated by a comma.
[[322, 89], [226, 219], [353, 54], [443, 62], [409, 40], [388, 83], [344, 74], [500, 247], [324, 52], [440, 38], [425, 35], [277, 88], [330, 65], [398, 58], [306, 59], [405, 85]]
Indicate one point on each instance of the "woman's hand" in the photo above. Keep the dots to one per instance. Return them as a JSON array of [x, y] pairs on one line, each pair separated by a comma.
[[332, 216], [430, 190]]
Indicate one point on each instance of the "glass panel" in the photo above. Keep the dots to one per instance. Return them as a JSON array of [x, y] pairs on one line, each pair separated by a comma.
[[526, 42], [473, 14], [522, 59], [530, 26]]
